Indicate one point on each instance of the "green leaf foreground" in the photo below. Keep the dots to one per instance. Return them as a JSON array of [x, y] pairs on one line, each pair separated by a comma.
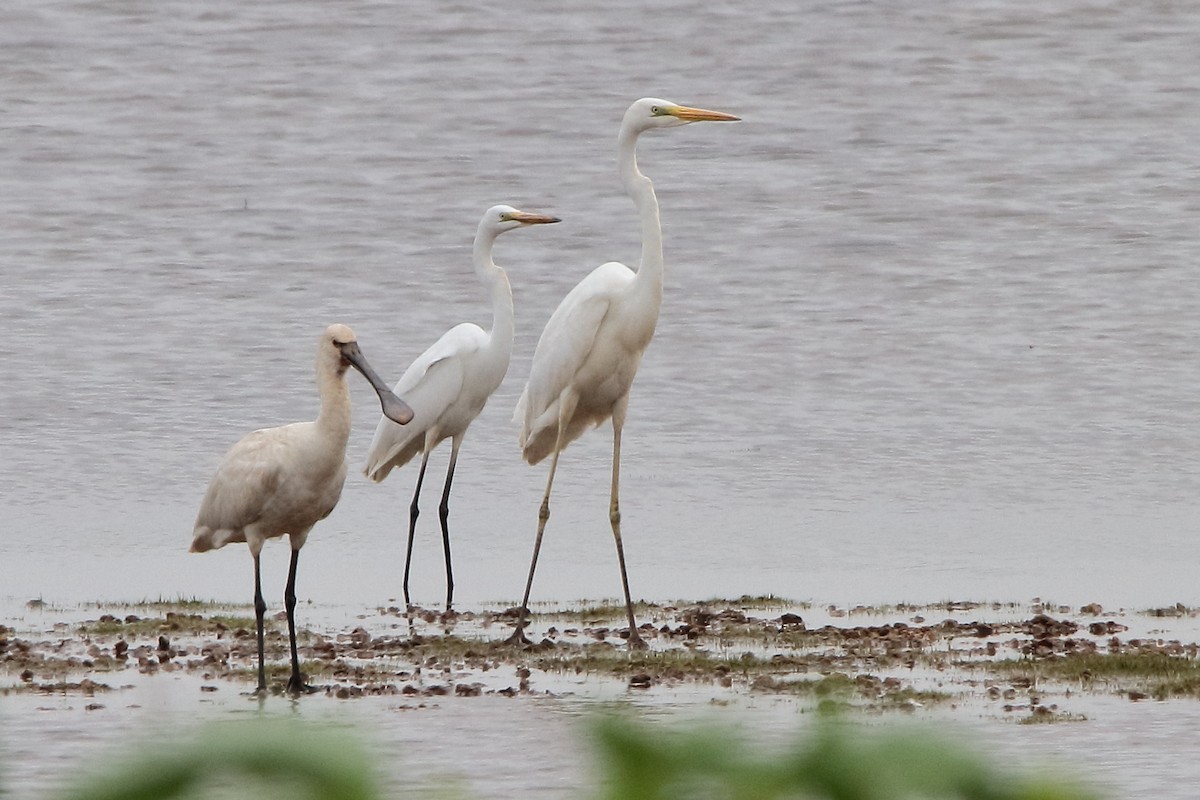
[[311, 761], [838, 760]]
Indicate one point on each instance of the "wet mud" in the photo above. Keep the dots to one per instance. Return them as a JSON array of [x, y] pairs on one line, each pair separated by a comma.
[[1025, 661]]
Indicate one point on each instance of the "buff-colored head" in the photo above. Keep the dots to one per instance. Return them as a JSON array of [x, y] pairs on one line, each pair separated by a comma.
[[339, 345]]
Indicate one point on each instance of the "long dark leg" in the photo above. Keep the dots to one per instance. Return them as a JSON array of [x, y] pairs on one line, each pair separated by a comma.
[[444, 515], [614, 517], [296, 682], [260, 611], [566, 408], [413, 513]]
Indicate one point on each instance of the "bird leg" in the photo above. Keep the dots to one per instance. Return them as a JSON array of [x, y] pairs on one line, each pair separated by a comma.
[[614, 517], [296, 683], [518, 635], [413, 513], [444, 515], [566, 408], [260, 611]]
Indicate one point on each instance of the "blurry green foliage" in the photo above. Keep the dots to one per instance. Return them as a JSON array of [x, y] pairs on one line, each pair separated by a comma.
[[260, 758], [837, 761]]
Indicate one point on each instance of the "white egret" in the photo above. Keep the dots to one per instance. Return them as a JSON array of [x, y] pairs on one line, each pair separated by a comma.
[[282, 481], [589, 352], [449, 384]]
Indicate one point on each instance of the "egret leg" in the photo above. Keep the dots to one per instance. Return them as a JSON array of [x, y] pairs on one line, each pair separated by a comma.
[[413, 513], [296, 683], [444, 515], [614, 517], [260, 611], [565, 409]]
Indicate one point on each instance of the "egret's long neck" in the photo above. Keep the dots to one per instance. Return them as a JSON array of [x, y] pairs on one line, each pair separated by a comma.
[[641, 190], [495, 281], [334, 420]]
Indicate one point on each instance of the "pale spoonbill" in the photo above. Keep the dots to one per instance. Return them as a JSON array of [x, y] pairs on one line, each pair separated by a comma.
[[282, 481]]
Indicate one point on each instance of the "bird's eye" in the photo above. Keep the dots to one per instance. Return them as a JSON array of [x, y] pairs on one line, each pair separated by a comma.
[[655, 110]]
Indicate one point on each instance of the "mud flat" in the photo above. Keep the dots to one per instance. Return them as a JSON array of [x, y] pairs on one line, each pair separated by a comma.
[[1031, 662]]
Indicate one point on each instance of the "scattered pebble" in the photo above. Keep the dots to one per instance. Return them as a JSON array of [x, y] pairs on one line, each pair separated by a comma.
[[640, 681], [720, 644]]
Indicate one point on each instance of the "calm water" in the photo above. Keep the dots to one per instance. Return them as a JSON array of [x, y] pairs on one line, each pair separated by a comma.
[[928, 329]]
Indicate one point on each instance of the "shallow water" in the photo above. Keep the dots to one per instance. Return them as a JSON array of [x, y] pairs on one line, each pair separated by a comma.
[[535, 742], [927, 330]]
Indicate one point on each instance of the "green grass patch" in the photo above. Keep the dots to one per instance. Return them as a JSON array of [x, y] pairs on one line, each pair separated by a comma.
[[1099, 666], [1154, 674], [171, 624], [1183, 686], [190, 604], [1048, 717], [762, 602], [610, 609], [602, 658], [909, 695]]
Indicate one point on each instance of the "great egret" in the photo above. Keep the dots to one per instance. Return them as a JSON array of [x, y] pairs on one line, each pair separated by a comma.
[[448, 385], [282, 481], [589, 352]]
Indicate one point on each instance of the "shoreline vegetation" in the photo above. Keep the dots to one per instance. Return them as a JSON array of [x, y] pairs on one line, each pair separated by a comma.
[[1025, 662]]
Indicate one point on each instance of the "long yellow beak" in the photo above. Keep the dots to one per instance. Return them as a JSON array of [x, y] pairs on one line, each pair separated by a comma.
[[532, 219], [700, 114]]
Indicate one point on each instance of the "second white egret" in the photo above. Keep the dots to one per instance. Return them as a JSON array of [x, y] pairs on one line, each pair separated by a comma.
[[449, 384]]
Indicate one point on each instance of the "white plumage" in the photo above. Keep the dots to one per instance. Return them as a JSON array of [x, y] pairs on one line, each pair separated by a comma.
[[589, 351], [449, 384]]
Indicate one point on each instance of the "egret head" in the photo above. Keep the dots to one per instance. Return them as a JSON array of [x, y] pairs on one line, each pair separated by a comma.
[[339, 344], [499, 219], [653, 112]]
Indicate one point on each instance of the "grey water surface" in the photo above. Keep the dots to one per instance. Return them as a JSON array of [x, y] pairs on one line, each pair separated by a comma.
[[928, 332]]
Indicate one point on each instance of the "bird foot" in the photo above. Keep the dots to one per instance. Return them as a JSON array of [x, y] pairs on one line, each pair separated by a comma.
[[297, 687], [518, 639], [636, 642]]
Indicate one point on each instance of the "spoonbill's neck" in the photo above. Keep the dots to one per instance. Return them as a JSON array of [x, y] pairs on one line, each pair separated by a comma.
[[334, 419]]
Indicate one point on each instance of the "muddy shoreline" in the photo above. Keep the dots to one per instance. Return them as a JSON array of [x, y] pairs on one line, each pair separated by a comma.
[[1022, 661]]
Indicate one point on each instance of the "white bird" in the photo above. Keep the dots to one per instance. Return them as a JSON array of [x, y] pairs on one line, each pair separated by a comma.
[[448, 385], [589, 352], [282, 481]]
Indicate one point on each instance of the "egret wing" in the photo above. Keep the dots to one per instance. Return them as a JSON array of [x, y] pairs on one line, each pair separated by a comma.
[[460, 340], [430, 385], [567, 340]]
